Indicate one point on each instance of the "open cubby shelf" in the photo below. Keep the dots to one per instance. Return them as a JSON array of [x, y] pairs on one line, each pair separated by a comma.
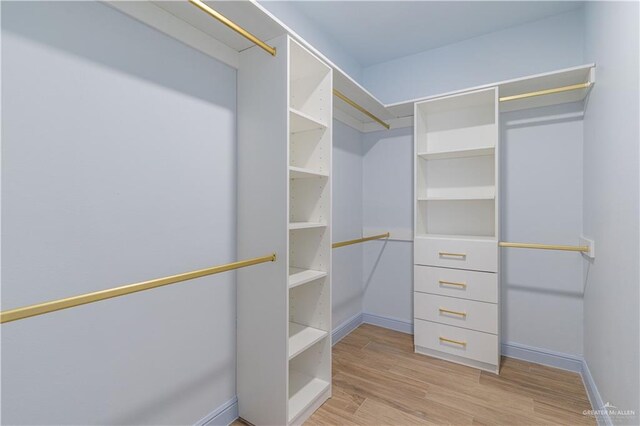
[[460, 193], [302, 337], [303, 173], [456, 139], [305, 225], [302, 122], [309, 279], [303, 391], [299, 276], [459, 153]]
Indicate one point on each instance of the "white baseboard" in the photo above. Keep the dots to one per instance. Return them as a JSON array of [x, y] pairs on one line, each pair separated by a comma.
[[542, 356], [224, 415], [390, 323], [602, 416], [345, 328]]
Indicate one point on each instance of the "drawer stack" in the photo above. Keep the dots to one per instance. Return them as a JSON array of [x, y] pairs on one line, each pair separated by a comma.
[[456, 280], [456, 314]]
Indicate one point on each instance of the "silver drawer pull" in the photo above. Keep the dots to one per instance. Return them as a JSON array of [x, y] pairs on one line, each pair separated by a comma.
[[447, 311], [461, 285], [448, 254], [455, 342]]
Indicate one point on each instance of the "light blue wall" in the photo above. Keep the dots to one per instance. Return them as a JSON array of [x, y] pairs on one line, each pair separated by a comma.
[[540, 46], [541, 190], [388, 206], [347, 222], [542, 177], [302, 25], [612, 204], [118, 165]]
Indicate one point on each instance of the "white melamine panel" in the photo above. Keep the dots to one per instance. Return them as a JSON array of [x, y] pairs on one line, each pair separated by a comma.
[[459, 193], [310, 85], [302, 173], [474, 345], [298, 276], [311, 150], [302, 337], [309, 200], [558, 78], [456, 172], [473, 285], [305, 225], [302, 122], [262, 228], [310, 305], [462, 253], [310, 232], [455, 123], [460, 153], [307, 248], [303, 390], [479, 316], [472, 218], [309, 377]]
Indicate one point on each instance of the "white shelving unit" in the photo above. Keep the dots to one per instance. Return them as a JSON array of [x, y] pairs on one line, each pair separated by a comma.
[[456, 228], [284, 197]]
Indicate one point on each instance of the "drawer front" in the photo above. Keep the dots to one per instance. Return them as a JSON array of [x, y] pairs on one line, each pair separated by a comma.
[[477, 255], [470, 344], [482, 286], [480, 316]]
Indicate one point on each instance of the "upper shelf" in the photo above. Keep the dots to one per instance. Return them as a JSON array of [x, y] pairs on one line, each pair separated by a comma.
[[185, 22], [532, 83]]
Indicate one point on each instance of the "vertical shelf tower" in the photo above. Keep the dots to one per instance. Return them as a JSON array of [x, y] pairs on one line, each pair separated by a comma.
[[456, 282], [284, 201]]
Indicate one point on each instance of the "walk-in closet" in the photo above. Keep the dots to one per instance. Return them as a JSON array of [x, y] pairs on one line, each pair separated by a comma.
[[320, 212]]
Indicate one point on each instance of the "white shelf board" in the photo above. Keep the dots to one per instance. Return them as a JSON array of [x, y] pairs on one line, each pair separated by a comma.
[[302, 173], [305, 225], [458, 237], [303, 391], [461, 193], [548, 80], [299, 276], [462, 153], [243, 13], [302, 122], [302, 337]]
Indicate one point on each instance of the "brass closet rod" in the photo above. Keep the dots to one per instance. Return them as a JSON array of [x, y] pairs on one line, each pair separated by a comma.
[[359, 108], [360, 240], [582, 249], [546, 92], [235, 27], [83, 299]]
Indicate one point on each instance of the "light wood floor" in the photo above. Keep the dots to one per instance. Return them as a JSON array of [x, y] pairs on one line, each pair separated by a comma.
[[378, 380]]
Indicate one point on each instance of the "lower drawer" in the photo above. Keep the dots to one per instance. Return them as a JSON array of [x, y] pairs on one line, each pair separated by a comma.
[[465, 343], [472, 285], [470, 314]]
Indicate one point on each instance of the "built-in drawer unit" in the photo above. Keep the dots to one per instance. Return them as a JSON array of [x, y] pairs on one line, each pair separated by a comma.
[[480, 316], [473, 285], [470, 344], [474, 254]]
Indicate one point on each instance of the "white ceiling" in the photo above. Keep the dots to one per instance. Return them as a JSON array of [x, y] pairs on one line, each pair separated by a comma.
[[378, 31]]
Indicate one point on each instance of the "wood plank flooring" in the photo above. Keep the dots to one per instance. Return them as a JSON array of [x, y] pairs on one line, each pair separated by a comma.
[[378, 380]]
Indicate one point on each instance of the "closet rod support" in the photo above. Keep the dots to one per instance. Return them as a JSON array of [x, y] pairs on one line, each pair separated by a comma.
[[83, 299], [339, 94], [235, 27], [582, 249], [360, 240], [547, 91]]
